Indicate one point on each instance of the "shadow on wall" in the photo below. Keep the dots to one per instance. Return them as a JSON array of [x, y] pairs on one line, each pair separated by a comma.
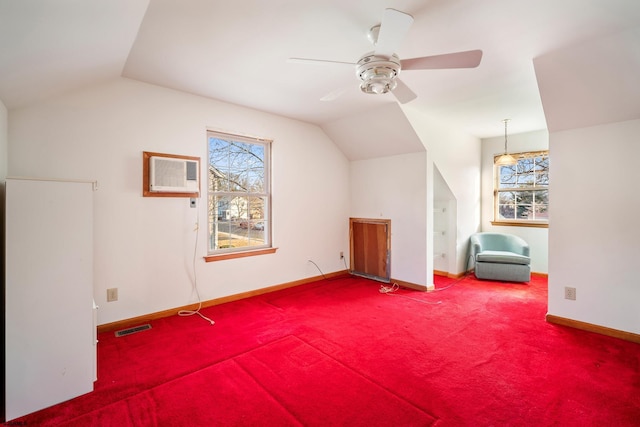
[[444, 226]]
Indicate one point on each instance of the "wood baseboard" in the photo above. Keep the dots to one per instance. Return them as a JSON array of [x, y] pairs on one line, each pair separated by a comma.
[[410, 285], [459, 275], [127, 323], [449, 275], [602, 330]]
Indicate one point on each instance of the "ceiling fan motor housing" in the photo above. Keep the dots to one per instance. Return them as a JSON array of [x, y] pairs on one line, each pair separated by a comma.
[[378, 73]]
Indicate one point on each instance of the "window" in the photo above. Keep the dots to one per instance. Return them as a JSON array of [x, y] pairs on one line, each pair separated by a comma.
[[238, 195], [521, 191]]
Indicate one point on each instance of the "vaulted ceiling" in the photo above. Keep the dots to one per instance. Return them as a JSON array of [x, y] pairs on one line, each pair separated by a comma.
[[237, 51]]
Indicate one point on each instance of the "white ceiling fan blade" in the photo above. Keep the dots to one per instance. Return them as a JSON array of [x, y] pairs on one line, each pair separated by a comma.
[[402, 92], [318, 62], [466, 59], [393, 29]]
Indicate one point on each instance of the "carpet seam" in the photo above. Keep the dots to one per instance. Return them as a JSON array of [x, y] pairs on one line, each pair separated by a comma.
[[436, 418], [139, 392], [282, 405], [173, 380]]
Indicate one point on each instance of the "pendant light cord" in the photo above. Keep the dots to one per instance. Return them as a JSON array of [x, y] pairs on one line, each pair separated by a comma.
[[505, 135]]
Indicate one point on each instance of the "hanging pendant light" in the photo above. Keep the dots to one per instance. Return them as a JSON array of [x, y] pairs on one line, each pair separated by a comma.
[[506, 159]]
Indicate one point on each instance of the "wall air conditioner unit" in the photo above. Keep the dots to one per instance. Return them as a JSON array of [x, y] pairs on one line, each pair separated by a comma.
[[173, 175]]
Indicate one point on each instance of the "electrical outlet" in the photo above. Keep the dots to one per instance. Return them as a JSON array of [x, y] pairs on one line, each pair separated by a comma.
[[341, 255], [569, 293], [112, 294]]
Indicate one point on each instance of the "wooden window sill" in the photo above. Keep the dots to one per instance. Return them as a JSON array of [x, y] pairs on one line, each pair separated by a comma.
[[233, 255], [521, 224]]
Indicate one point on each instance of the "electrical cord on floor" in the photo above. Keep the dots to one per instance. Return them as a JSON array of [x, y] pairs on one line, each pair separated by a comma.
[[185, 313], [460, 279], [390, 290]]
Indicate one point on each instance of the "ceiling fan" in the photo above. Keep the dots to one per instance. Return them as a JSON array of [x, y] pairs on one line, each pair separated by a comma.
[[378, 70]]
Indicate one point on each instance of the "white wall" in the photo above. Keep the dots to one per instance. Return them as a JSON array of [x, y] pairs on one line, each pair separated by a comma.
[[4, 146], [538, 238], [145, 245], [445, 213], [457, 156], [3, 141], [395, 188], [594, 233]]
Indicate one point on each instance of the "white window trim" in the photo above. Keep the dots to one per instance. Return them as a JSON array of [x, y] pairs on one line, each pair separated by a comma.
[[267, 247], [540, 223]]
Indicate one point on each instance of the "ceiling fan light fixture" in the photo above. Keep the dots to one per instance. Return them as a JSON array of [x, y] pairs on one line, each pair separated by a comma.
[[377, 73], [378, 86]]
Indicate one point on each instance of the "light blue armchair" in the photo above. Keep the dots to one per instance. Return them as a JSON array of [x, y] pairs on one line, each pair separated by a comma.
[[499, 256]]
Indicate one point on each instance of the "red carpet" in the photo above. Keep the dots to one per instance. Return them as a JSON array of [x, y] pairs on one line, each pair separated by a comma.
[[341, 353]]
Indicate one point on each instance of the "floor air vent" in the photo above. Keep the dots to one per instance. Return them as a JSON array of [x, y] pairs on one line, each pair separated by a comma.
[[133, 330]]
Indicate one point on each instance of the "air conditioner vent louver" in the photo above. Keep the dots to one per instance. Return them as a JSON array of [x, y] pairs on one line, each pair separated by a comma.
[[175, 175]]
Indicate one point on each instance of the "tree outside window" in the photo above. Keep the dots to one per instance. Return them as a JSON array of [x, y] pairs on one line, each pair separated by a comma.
[[239, 198], [521, 191]]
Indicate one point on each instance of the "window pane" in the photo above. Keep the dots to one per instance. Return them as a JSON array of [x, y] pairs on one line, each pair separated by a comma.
[[541, 197], [238, 200], [525, 165], [255, 169], [507, 205], [516, 188], [507, 211], [526, 180], [232, 228], [218, 165], [256, 208], [507, 197], [542, 178], [541, 212], [541, 205], [524, 211], [221, 222], [507, 176], [524, 205], [542, 163]]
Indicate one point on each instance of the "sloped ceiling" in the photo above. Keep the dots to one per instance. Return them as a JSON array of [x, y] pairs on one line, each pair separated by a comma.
[[381, 132], [236, 51], [608, 92], [50, 47]]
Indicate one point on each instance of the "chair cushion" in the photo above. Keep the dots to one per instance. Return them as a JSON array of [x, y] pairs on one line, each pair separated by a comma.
[[502, 257]]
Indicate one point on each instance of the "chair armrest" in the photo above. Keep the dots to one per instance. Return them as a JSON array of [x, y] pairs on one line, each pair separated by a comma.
[[476, 247]]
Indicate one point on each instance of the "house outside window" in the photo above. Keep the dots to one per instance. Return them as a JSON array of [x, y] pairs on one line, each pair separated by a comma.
[[238, 193], [521, 191]]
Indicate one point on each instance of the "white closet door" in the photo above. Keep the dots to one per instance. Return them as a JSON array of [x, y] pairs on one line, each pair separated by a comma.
[[49, 333]]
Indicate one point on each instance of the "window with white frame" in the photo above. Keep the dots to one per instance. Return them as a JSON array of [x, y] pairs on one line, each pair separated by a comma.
[[521, 191], [238, 193]]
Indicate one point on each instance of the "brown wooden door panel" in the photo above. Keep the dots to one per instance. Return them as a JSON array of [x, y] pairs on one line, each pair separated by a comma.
[[370, 246]]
